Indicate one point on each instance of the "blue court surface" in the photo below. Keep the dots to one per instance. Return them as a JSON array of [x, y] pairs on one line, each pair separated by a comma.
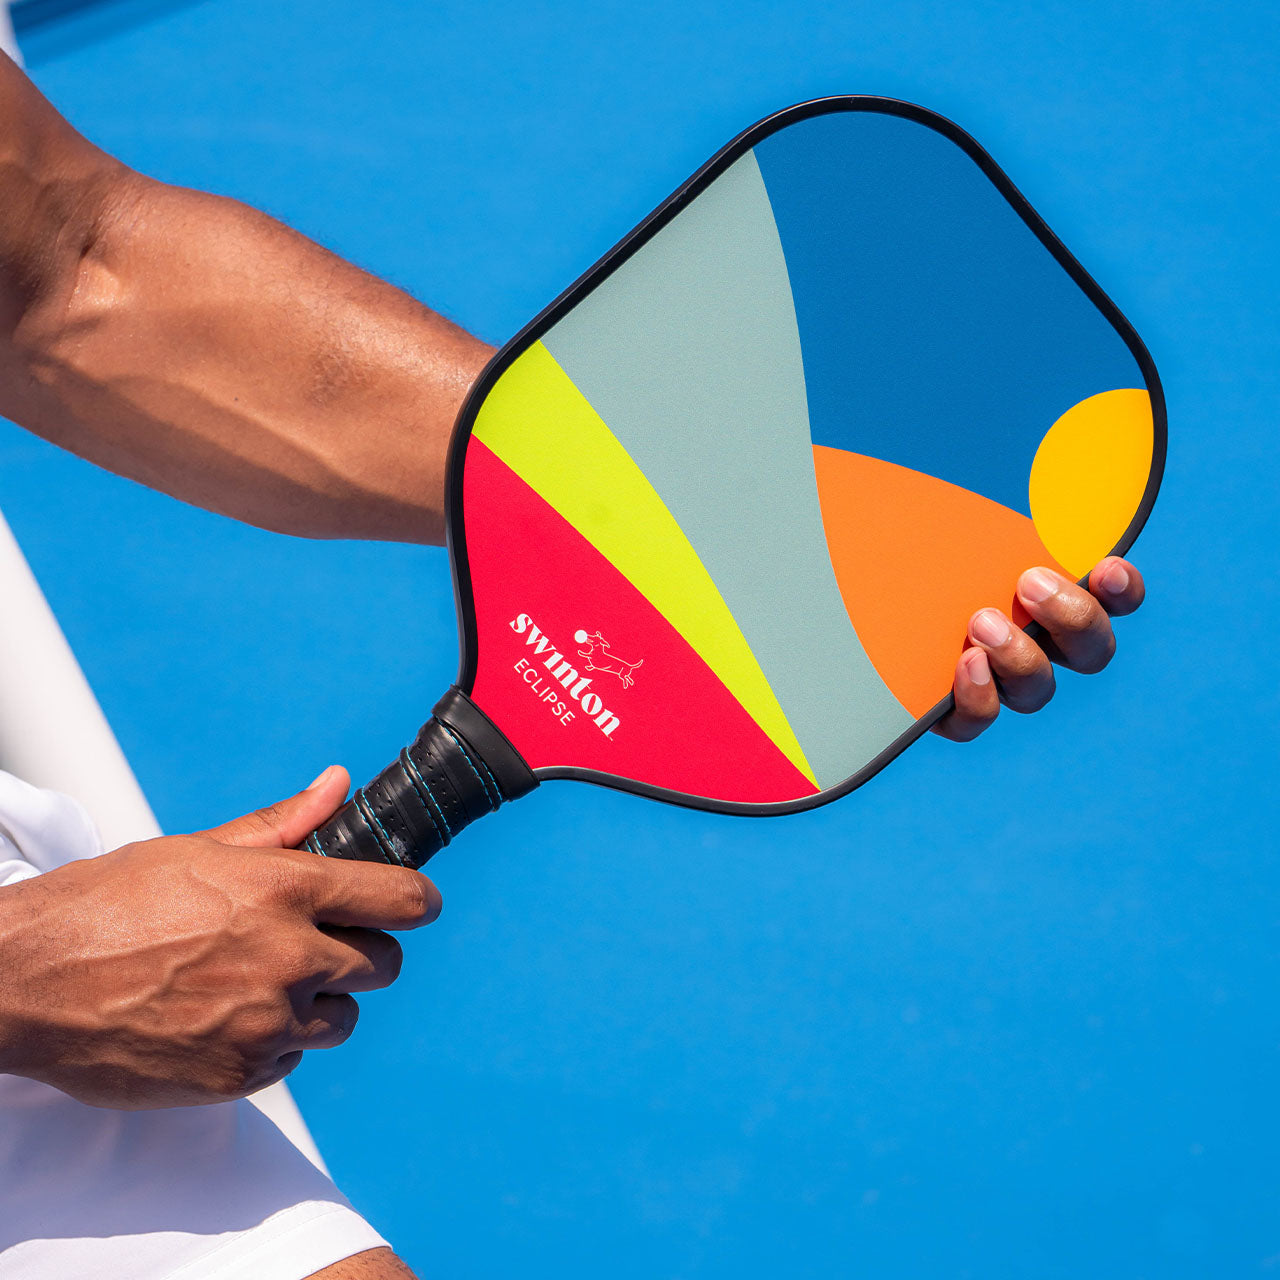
[[1009, 1011]]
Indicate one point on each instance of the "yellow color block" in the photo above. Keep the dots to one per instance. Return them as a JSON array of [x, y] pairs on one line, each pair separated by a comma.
[[538, 422], [1089, 476]]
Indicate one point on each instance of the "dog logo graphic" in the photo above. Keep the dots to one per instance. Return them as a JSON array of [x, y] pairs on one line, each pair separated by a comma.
[[601, 658]]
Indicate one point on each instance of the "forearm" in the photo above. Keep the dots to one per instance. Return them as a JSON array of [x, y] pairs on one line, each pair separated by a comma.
[[200, 347]]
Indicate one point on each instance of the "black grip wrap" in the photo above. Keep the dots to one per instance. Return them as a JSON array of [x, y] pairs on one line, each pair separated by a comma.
[[459, 768]]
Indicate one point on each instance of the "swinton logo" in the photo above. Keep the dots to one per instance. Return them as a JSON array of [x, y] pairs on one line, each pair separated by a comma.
[[566, 676]]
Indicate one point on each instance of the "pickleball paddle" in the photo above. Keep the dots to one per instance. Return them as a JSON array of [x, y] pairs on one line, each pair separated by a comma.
[[718, 517]]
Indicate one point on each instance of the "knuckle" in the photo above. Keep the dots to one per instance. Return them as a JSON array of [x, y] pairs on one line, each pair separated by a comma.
[[332, 1021], [1027, 662], [263, 1027], [295, 960], [255, 1042], [275, 879], [1079, 612], [270, 818]]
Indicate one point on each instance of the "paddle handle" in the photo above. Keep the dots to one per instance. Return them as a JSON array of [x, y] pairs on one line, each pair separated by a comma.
[[459, 768]]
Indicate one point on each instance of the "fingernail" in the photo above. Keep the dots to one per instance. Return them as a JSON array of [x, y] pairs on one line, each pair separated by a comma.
[[320, 780], [1116, 580], [990, 627], [977, 668], [1037, 586]]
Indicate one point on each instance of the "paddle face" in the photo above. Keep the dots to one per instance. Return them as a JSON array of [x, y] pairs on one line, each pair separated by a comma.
[[720, 515]]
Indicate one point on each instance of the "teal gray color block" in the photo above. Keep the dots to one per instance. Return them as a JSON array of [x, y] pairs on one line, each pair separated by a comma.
[[691, 354]]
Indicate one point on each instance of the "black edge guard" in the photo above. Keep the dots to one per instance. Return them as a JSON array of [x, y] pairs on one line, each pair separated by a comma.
[[459, 768]]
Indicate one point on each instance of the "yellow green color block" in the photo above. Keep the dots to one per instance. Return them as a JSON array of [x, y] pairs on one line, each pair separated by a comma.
[[538, 422]]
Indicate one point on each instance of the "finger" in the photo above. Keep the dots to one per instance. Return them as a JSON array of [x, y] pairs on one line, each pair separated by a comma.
[[1076, 623], [282, 1066], [1118, 586], [288, 822], [286, 1064], [269, 1073], [1023, 673], [370, 895], [358, 960], [977, 702], [328, 1021]]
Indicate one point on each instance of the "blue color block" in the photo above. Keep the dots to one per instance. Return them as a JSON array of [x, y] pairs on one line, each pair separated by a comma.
[[960, 318]]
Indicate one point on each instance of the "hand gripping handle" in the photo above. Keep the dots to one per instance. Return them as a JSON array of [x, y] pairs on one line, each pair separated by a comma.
[[459, 768]]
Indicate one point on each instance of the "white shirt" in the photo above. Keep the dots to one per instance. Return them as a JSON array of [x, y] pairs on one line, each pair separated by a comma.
[[195, 1193]]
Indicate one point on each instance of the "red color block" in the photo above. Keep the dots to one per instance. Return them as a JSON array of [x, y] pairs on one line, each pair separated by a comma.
[[535, 581]]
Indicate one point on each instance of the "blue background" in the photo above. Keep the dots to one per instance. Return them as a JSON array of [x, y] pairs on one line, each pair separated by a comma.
[[1010, 1010]]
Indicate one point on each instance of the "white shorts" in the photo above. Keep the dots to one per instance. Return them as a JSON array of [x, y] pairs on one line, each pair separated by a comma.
[[197, 1193]]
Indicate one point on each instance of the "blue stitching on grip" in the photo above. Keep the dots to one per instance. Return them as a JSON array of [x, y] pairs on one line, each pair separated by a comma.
[[466, 755], [420, 785], [377, 822], [370, 818], [407, 765], [488, 773], [312, 842]]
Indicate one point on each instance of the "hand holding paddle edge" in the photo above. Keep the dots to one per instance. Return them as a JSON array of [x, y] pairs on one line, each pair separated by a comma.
[[1006, 666]]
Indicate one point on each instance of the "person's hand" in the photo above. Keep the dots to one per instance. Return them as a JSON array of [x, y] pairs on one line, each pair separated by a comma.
[[1005, 665], [195, 969]]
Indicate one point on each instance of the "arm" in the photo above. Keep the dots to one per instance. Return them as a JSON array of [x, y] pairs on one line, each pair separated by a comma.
[[201, 347], [206, 350]]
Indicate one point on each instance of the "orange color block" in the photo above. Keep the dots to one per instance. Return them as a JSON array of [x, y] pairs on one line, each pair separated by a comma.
[[915, 557]]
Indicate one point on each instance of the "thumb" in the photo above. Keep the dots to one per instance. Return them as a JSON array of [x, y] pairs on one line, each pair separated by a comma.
[[287, 823]]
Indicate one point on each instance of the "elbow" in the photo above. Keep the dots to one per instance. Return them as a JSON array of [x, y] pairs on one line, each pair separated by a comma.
[[68, 275]]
